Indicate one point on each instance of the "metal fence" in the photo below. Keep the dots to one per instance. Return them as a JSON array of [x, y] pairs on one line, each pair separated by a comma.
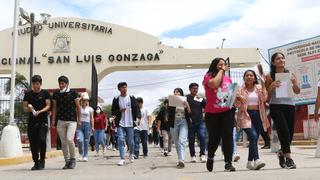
[[20, 116]]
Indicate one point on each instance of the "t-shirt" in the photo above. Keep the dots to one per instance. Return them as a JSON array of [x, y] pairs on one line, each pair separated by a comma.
[[144, 120], [216, 98], [196, 106], [66, 105], [100, 121], [126, 116], [38, 101], [86, 114]]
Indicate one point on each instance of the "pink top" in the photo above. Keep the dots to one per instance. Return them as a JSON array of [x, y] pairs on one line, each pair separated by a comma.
[[243, 117], [216, 98]]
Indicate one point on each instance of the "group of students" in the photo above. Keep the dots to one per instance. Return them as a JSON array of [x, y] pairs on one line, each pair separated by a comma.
[[179, 124]]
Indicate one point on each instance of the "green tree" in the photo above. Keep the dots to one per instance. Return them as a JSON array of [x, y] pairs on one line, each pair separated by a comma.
[[107, 109], [20, 83], [160, 105]]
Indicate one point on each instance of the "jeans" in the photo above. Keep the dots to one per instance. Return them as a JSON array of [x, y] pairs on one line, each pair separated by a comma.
[[220, 125], [235, 149], [141, 136], [66, 131], [253, 134], [199, 128], [167, 140], [180, 136], [125, 133], [99, 138], [283, 117], [83, 138], [37, 135]]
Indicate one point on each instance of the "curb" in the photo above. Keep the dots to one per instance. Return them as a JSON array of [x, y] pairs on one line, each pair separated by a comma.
[[27, 158]]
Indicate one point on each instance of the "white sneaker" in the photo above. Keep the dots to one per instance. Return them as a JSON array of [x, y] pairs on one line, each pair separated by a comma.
[[114, 149], [97, 154], [250, 165], [131, 158], [236, 157], [109, 147], [80, 158], [85, 159], [193, 159], [170, 154], [258, 164], [203, 159], [122, 162]]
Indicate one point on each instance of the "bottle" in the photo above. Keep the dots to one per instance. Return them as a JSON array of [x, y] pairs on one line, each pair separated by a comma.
[[34, 112]]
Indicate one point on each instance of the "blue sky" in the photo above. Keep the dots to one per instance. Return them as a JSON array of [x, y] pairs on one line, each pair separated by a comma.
[[261, 24]]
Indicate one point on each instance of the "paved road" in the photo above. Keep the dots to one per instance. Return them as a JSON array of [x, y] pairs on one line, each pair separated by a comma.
[[163, 168]]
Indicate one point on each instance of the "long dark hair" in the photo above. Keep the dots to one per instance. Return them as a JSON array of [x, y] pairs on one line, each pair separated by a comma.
[[254, 74], [213, 70], [180, 91], [273, 68]]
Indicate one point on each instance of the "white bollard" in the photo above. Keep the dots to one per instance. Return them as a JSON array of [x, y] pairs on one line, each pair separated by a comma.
[[10, 143]]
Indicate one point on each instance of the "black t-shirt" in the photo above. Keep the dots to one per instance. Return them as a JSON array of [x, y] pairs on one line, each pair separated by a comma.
[[38, 101], [66, 105], [163, 118], [196, 108]]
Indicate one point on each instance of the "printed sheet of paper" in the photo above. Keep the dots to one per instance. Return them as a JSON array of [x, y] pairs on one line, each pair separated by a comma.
[[285, 89], [176, 101], [233, 90]]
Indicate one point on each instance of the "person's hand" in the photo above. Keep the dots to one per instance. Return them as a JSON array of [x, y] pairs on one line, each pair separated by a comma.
[[79, 124], [37, 113], [53, 124], [122, 109], [316, 117], [275, 84], [294, 79], [241, 99], [225, 67]]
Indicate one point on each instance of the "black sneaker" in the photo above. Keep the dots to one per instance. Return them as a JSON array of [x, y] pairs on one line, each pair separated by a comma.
[[36, 166], [282, 161], [180, 165], [41, 165], [229, 168], [266, 147], [209, 164], [290, 164], [66, 166], [72, 163]]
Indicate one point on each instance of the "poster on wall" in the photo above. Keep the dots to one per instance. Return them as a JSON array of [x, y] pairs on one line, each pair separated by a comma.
[[303, 59]]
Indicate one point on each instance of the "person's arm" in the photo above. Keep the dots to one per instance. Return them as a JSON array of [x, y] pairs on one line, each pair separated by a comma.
[[54, 113], [215, 82], [295, 84], [46, 108], [270, 85], [25, 106], [78, 110], [317, 106], [92, 119]]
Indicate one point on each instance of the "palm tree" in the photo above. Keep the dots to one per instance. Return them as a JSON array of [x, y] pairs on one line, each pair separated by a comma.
[[20, 83], [160, 105]]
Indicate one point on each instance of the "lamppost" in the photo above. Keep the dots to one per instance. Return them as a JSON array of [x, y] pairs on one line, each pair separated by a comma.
[[34, 31], [222, 42]]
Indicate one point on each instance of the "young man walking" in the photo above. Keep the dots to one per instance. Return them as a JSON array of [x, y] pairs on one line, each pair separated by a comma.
[[37, 103], [127, 114], [66, 110]]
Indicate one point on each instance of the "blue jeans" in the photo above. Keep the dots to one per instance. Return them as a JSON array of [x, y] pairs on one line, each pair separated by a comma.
[[253, 134], [180, 136], [125, 133], [235, 149], [141, 136], [99, 138], [83, 138], [200, 129]]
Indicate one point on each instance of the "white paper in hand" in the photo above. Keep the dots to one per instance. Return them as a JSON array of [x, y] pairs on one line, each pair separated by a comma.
[[176, 101], [285, 89]]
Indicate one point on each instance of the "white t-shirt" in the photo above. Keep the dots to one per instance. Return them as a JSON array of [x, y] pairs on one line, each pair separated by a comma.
[[144, 120], [86, 114], [126, 117]]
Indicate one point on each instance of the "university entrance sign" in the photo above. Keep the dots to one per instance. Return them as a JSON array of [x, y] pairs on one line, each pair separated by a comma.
[[68, 46]]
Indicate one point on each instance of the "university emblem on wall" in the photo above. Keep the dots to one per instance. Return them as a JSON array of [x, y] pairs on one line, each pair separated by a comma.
[[62, 43]]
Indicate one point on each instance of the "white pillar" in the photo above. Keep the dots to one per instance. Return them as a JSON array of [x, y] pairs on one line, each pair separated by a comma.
[[10, 142]]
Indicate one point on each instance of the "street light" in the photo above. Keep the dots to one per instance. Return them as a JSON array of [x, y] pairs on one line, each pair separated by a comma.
[[222, 42], [34, 31]]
